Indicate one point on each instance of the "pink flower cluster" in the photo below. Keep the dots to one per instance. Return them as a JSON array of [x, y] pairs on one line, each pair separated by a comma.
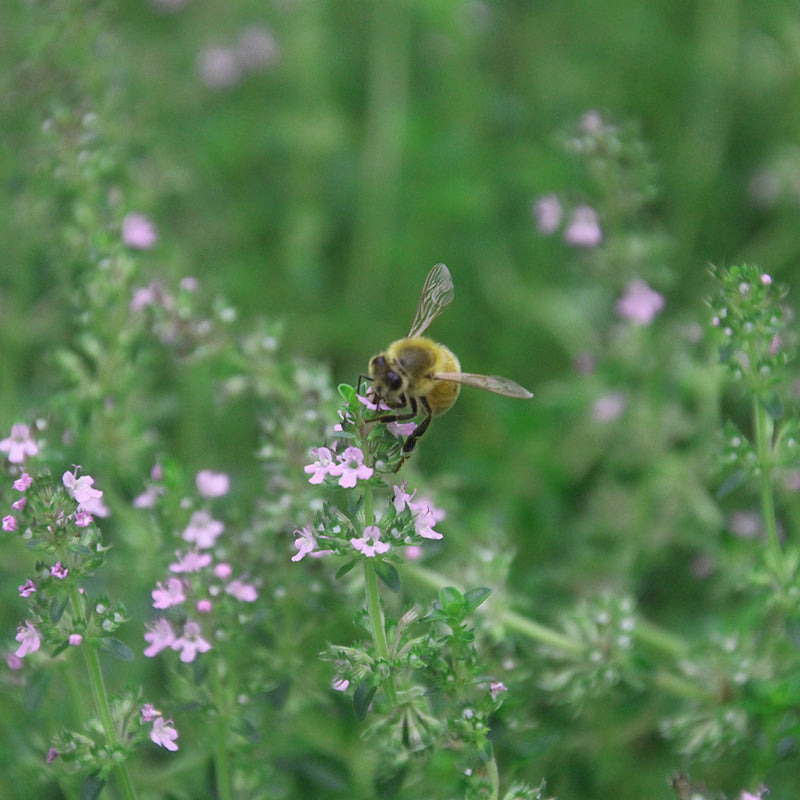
[[371, 542], [213, 580], [349, 467]]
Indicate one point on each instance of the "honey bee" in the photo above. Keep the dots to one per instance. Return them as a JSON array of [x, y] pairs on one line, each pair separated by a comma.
[[418, 375]]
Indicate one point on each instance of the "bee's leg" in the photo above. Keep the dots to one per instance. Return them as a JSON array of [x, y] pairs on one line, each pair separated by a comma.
[[421, 428], [400, 416]]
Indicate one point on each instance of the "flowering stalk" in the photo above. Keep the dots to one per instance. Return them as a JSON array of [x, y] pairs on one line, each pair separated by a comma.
[[749, 320], [359, 523], [58, 522]]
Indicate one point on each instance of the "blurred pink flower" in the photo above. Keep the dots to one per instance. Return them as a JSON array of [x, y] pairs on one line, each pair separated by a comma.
[[212, 484], [640, 304], [29, 638], [548, 213], [20, 444], [583, 228], [203, 530], [609, 407], [138, 232], [219, 67]]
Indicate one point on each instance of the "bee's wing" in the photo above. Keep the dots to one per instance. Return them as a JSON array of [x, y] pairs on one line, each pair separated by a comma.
[[492, 383], [437, 292]]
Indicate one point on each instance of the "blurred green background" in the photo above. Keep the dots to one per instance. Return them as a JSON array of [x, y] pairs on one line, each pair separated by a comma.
[[364, 142], [311, 161]]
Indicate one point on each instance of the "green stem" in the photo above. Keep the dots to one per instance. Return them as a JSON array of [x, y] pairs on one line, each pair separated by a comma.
[[378, 628], [222, 765], [101, 703], [221, 760], [494, 777], [764, 431]]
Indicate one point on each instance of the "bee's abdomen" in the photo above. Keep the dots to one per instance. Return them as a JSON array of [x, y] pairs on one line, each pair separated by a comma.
[[444, 393]]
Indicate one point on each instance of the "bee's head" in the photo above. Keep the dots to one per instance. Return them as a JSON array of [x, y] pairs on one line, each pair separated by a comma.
[[387, 383]]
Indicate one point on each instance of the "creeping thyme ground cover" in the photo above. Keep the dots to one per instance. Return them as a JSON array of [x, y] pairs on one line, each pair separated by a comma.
[[222, 577]]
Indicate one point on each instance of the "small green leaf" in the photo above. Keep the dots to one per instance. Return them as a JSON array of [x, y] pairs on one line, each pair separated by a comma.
[[389, 575], [362, 697], [773, 405], [474, 597], [731, 483], [92, 788], [60, 649], [347, 392], [452, 601], [115, 648], [345, 568], [57, 608]]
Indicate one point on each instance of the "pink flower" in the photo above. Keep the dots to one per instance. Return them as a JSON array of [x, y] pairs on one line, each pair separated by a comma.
[[23, 482], [149, 712], [497, 688], [212, 484], [608, 407], [413, 552], [149, 497], [548, 213], [14, 662], [58, 570], [75, 639], [83, 492], [159, 635], [401, 429], [191, 562], [424, 520], [242, 591], [164, 734], [223, 570], [204, 606], [83, 518], [171, 595], [321, 467], [257, 48], [402, 498], [640, 304], [29, 638], [370, 543], [219, 68], [20, 444], [138, 232], [203, 530], [27, 588], [351, 468], [305, 543], [191, 643], [19, 504], [9, 524], [583, 228], [52, 755], [426, 515], [340, 684], [145, 296]]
